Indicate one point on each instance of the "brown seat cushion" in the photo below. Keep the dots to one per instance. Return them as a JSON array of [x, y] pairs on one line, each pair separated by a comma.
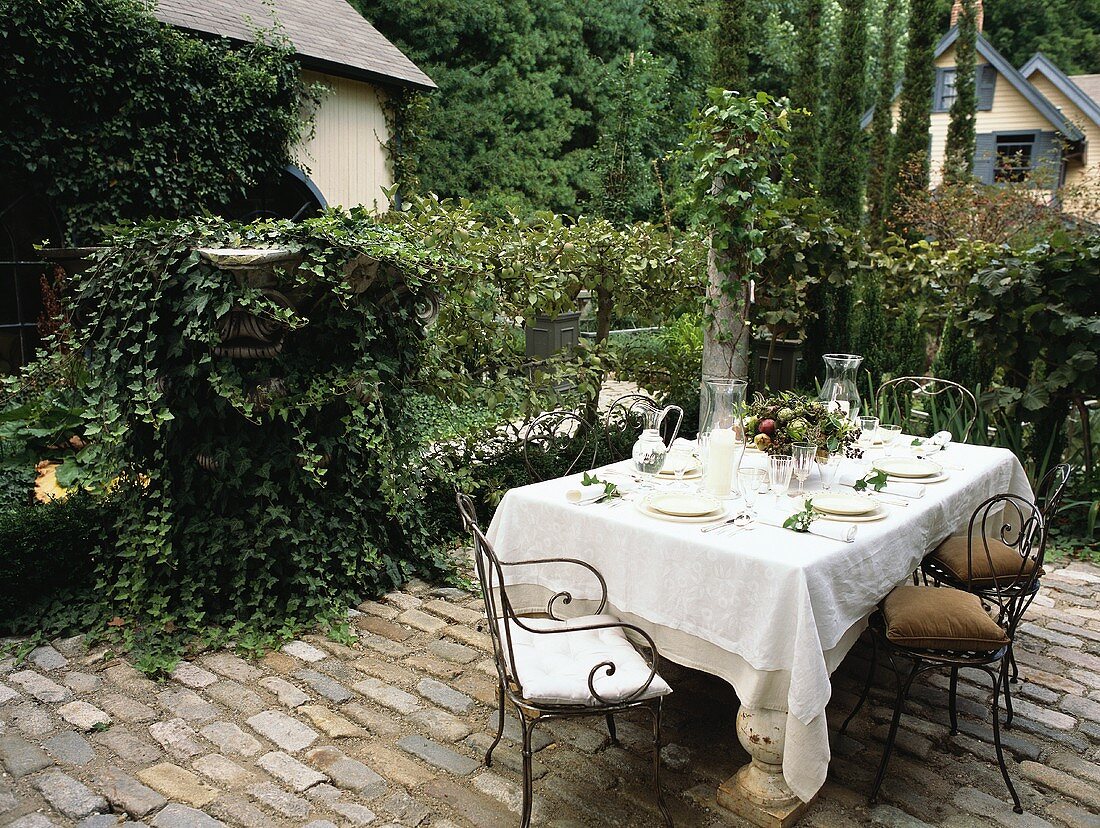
[[1008, 564], [940, 618]]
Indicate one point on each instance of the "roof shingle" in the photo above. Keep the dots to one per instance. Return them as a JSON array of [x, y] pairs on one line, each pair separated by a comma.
[[328, 35]]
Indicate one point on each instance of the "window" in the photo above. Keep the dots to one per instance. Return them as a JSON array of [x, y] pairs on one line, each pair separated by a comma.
[[1014, 157], [945, 90]]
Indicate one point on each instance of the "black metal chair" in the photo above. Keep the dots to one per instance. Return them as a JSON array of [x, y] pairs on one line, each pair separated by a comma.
[[556, 443], [927, 405], [550, 667], [937, 628]]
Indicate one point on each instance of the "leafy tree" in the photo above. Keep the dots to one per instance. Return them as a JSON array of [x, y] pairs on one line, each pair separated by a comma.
[[1066, 31], [882, 124], [111, 115], [959, 153], [731, 43], [842, 159], [909, 159], [806, 95]]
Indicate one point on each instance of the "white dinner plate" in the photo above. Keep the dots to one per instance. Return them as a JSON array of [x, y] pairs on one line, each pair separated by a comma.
[[870, 517], [690, 474], [907, 467], [843, 504], [684, 504], [647, 510], [939, 478]]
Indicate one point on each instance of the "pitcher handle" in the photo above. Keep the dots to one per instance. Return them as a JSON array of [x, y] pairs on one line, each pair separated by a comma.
[[679, 421]]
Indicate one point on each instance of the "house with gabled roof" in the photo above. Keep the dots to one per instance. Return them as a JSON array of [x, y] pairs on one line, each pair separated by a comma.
[[1033, 124], [345, 162]]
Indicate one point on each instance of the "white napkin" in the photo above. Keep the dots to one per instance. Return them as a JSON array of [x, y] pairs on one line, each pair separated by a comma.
[[894, 487], [941, 439], [586, 494], [824, 528]]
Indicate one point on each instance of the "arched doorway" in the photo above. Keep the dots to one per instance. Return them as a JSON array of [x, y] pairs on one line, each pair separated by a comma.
[[289, 195]]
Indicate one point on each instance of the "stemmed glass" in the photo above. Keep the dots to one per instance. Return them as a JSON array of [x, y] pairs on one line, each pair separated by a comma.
[[752, 481], [888, 434], [803, 455], [868, 431], [829, 468], [780, 467]]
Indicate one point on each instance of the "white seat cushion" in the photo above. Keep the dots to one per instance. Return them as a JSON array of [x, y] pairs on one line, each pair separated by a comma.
[[554, 668]]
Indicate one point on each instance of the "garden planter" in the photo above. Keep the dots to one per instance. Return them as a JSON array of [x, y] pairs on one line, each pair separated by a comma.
[[786, 357], [549, 335]]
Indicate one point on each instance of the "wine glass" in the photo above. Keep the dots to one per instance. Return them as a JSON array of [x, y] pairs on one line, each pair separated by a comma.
[[780, 467], [752, 481], [680, 460], [868, 431], [830, 465], [803, 455], [889, 435]]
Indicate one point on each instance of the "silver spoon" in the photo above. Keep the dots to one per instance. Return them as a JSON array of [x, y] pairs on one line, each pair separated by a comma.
[[741, 520]]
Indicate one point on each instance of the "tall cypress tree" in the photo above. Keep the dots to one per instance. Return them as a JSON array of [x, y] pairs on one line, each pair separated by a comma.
[[909, 160], [842, 165], [959, 153], [731, 45], [882, 124], [806, 94]]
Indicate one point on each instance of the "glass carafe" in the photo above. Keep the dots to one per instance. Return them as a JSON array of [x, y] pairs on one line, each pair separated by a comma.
[[650, 448], [840, 391], [722, 433]]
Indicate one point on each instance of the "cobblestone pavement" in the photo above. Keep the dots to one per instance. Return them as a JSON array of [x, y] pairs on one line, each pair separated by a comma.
[[391, 732]]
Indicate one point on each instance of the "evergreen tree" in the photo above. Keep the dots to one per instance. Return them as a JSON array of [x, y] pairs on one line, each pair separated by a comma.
[[806, 95], [731, 45], [959, 153], [882, 124], [842, 160], [909, 159]]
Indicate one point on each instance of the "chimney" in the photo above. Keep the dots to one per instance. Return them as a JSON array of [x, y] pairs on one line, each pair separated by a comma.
[[979, 14]]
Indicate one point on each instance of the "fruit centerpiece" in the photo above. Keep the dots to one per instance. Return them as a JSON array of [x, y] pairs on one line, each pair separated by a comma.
[[773, 424]]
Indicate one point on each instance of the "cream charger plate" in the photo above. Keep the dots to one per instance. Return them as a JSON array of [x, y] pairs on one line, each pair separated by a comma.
[[907, 467], [843, 504], [939, 478], [647, 510], [871, 517], [690, 474], [684, 504]]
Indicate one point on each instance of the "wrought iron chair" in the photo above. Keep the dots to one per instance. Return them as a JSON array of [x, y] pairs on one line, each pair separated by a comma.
[[549, 441], [550, 667], [949, 564], [927, 404], [958, 628], [624, 420]]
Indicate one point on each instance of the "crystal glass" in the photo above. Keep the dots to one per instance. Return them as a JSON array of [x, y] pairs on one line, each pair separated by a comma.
[[840, 391], [868, 431], [680, 459], [722, 432], [753, 482], [889, 435], [803, 456], [780, 467], [828, 465]]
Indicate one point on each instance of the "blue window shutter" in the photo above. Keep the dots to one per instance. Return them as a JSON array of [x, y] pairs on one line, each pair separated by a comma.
[[987, 84], [985, 157], [937, 91], [1046, 160]]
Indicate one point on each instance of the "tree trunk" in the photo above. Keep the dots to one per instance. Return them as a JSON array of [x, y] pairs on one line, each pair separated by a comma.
[[726, 331]]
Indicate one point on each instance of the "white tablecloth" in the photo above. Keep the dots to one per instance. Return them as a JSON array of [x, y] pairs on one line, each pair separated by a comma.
[[771, 611]]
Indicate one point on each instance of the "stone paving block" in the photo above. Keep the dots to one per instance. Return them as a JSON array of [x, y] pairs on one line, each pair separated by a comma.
[[402, 600], [395, 766], [478, 687], [381, 610], [235, 810], [84, 716], [70, 748], [187, 705], [20, 758], [178, 783], [102, 821], [42, 688], [280, 801], [129, 747], [32, 719], [422, 621], [1073, 816], [236, 697], [231, 739], [444, 696], [180, 816], [433, 666], [471, 638], [324, 686], [303, 651], [441, 724], [438, 755], [130, 679], [288, 694], [334, 725], [231, 666], [47, 658], [288, 733], [125, 793], [1081, 707], [453, 612], [386, 695], [320, 823], [192, 675], [290, 771], [222, 770], [124, 709], [1080, 791], [405, 810], [279, 662], [32, 821], [1025, 710], [81, 682], [473, 806], [385, 671], [383, 627], [383, 645], [72, 798], [355, 814], [450, 651], [7, 694], [508, 756], [379, 723], [177, 738], [347, 773]]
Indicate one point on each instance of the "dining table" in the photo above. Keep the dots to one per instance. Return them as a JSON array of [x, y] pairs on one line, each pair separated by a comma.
[[770, 610]]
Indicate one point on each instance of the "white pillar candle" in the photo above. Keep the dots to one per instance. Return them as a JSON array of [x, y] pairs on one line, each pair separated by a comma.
[[720, 462]]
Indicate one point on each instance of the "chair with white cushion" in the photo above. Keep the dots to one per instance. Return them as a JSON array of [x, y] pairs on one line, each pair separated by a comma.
[[551, 667]]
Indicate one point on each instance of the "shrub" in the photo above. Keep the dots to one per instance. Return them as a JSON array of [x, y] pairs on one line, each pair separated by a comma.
[[668, 363]]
